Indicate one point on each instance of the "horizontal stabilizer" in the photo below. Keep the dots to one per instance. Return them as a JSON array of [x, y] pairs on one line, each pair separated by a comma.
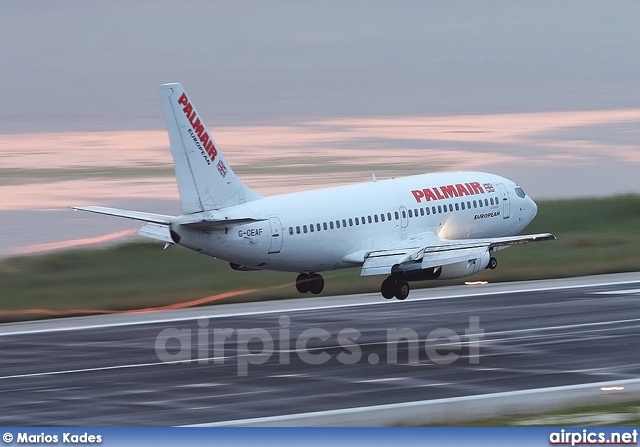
[[135, 215], [216, 224], [160, 228], [157, 232]]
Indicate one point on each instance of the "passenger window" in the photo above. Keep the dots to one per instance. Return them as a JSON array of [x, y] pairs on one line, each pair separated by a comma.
[[331, 225], [469, 204], [404, 214], [433, 209], [451, 207], [462, 204], [324, 225], [344, 222], [422, 211], [457, 207], [311, 228], [298, 229], [369, 219], [428, 211], [439, 208], [410, 213], [304, 228], [397, 216], [318, 226], [475, 205], [382, 217], [389, 217], [357, 221], [363, 221], [337, 224], [350, 222], [486, 202], [375, 217], [290, 230]]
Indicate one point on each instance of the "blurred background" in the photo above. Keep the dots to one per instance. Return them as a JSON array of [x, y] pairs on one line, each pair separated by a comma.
[[306, 94]]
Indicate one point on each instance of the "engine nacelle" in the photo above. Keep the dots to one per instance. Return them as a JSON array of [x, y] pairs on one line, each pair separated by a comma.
[[465, 268]]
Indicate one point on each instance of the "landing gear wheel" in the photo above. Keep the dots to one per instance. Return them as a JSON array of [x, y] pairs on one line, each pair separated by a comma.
[[302, 282], [493, 263], [316, 283], [387, 289], [402, 290]]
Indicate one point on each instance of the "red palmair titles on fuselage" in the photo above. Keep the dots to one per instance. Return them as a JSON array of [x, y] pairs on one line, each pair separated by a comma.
[[447, 191], [198, 127]]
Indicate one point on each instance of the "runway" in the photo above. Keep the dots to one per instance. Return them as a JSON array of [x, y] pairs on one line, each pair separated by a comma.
[[109, 370]]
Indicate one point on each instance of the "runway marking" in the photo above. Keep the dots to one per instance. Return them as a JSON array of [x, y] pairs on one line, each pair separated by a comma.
[[289, 376], [201, 385], [4, 331], [99, 368], [617, 292], [563, 327], [107, 368], [196, 361], [383, 380], [391, 413]]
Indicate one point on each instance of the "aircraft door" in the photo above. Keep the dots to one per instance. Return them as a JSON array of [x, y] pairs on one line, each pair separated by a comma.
[[506, 205], [404, 219], [276, 235]]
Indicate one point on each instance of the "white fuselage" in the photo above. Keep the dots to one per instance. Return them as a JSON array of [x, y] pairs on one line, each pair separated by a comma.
[[331, 228]]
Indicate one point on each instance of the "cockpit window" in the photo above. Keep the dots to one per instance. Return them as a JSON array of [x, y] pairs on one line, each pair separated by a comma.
[[520, 193]]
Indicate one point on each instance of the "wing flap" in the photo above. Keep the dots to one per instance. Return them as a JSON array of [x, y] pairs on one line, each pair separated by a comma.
[[435, 252], [381, 262], [439, 258]]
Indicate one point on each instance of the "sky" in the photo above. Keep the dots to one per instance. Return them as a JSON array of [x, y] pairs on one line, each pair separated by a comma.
[[546, 93], [78, 65]]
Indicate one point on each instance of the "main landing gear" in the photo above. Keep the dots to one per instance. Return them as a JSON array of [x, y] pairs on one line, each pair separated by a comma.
[[493, 263], [393, 287], [309, 282]]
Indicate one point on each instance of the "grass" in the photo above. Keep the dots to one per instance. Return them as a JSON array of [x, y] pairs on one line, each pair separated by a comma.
[[618, 414], [594, 236]]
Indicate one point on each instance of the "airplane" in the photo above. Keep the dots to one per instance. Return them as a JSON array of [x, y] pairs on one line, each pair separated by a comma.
[[421, 227]]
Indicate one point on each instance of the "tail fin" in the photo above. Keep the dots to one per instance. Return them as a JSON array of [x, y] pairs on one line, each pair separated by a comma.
[[205, 179]]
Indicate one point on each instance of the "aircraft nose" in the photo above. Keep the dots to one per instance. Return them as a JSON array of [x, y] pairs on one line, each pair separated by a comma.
[[533, 208]]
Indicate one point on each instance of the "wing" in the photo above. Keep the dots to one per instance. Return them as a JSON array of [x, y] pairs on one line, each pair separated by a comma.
[[433, 251]]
